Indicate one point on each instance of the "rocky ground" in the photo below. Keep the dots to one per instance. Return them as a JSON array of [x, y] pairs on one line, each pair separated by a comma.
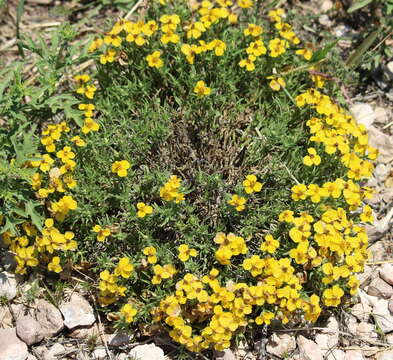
[[32, 327]]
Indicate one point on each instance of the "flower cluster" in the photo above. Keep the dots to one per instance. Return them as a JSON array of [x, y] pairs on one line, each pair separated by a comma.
[[170, 190], [250, 185], [110, 289]]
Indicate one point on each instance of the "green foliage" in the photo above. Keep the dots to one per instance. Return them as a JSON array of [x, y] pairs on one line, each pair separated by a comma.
[[26, 105], [373, 50]]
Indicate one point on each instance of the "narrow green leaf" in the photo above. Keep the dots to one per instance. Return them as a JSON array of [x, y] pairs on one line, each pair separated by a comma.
[[358, 5], [19, 13], [355, 58], [321, 54]]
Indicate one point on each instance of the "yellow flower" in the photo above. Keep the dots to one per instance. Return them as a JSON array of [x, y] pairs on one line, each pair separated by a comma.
[[96, 44], [65, 154], [124, 268], [90, 125], [201, 89], [150, 252], [185, 252], [150, 28], [162, 273], [143, 209], [277, 47], [367, 214], [245, 4], [238, 202], [251, 184], [170, 37], [195, 30], [256, 48], [128, 312], [270, 244], [286, 215], [218, 46], [54, 265], [332, 296], [276, 83], [102, 234], [265, 318], [121, 167], [112, 39], [248, 63], [254, 265], [78, 141], [108, 57], [299, 192], [169, 22], [253, 30], [189, 51], [312, 158], [154, 59]]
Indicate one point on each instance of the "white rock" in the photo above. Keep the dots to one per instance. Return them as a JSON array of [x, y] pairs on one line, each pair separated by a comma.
[[367, 299], [389, 65], [85, 333], [363, 114], [382, 171], [17, 310], [354, 355], [361, 311], [77, 312], [389, 339], [54, 353], [381, 115], [326, 5], [242, 350], [352, 324], [281, 345], [366, 330], [49, 318], [147, 352], [11, 348], [380, 288], [390, 305], [386, 273], [227, 354], [366, 275], [324, 20], [332, 329], [8, 285], [100, 354], [31, 357], [383, 143], [308, 349], [29, 330], [382, 316], [328, 340], [386, 355]]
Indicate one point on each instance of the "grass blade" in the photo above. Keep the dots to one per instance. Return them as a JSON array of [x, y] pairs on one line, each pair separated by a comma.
[[19, 13], [358, 5], [355, 58]]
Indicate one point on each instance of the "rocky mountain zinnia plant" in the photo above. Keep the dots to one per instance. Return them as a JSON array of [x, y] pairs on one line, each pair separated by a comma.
[[214, 185]]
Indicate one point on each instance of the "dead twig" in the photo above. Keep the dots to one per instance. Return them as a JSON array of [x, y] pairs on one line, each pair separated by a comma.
[[100, 327], [127, 17]]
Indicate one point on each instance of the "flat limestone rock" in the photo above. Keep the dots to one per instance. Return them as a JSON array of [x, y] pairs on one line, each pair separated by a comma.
[[49, 317], [77, 312], [11, 348]]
